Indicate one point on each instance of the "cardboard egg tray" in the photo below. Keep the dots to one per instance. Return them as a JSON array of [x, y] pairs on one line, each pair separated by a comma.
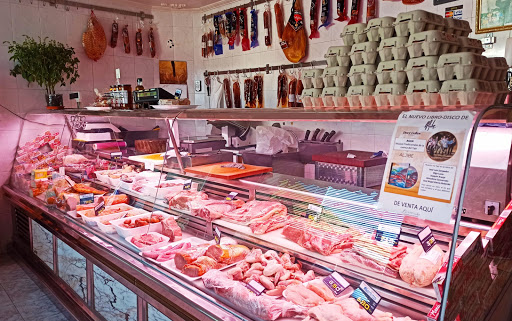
[[311, 97], [334, 97], [364, 53], [354, 33], [338, 56], [361, 97], [422, 68], [500, 89], [312, 78], [415, 21], [362, 75], [380, 28], [462, 65], [391, 72], [390, 96], [423, 94], [393, 48], [457, 27], [335, 76], [468, 92], [470, 45], [498, 68], [432, 43]]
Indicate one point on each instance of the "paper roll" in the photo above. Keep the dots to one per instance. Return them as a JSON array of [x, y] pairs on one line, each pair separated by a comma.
[[108, 145]]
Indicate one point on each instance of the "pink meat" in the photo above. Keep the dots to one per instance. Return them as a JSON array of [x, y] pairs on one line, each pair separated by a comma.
[[171, 229], [353, 310], [211, 209], [275, 222], [181, 199], [256, 210]]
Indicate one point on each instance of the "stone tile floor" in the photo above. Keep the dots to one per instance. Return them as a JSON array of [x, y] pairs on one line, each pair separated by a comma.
[[23, 297]]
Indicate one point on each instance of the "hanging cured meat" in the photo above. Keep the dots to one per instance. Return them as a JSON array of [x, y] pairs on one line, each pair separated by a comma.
[[267, 25], [138, 42], [298, 93], [248, 91], [94, 39], [227, 93], [115, 34], [236, 95], [254, 28], [126, 39], [370, 10], [204, 38], [258, 82], [210, 43], [217, 42], [282, 91], [341, 8], [354, 13], [412, 1], [246, 44], [325, 17], [294, 42], [232, 22], [152, 48], [279, 19], [292, 88], [313, 17]]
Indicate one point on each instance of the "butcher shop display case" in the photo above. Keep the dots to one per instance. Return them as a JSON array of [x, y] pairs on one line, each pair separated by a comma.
[[218, 215]]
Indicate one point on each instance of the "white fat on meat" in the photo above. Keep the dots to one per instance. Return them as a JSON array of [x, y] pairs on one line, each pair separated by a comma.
[[419, 268], [353, 310]]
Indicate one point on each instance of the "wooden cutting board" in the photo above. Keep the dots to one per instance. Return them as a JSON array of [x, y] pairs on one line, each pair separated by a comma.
[[215, 170]]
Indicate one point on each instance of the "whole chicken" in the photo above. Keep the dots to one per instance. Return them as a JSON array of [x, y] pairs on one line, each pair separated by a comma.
[[94, 39]]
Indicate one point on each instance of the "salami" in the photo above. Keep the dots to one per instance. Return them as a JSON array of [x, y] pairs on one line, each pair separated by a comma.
[[236, 95], [152, 48], [138, 42], [292, 88], [282, 91], [258, 82], [279, 19], [254, 28], [246, 44], [227, 93], [230, 29], [294, 42], [115, 34], [412, 1], [217, 46], [126, 39], [341, 9], [204, 40], [210, 43], [354, 13], [325, 17], [298, 93], [370, 10], [313, 16], [248, 84], [267, 25]]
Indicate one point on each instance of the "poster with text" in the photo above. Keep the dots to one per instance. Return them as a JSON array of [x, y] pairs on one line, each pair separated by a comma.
[[424, 164]]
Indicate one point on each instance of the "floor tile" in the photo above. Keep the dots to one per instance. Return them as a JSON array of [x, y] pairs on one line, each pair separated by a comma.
[[4, 298], [10, 313]]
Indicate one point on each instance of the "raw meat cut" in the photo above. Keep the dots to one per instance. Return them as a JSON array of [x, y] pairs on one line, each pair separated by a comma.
[[327, 312], [144, 240], [256, 210], [171, 229], [211, 209], [353, 258], [227, 254], [166, 254], [94, 39], [300, 295], [319, 287], [271, 224], [181, 199], [353, 310], [295, 41], [417, 269], [190, 255], [263, 306], [200, 266]]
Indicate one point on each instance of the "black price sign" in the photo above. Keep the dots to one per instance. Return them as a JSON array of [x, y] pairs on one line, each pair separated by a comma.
[[86, 199], [388, 233], [187, 186], [116, 155], [336, 283], [426, 238], [366, 297], [99, 208]]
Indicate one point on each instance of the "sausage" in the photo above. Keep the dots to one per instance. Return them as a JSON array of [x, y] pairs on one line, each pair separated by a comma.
[[254, 29], [279, 89], [354, 13], [227, 93], [313, 20], [114, 36], [210, 43], [279, 19], [258, 81], [217, 46], [298, 93], [341, 8], [204, 39], [254, 93], [246, 44], [152, 48], [325, 17], [234, 29], [284, 91], [292, 88], [267, 25], [138, 42], [236, 95], [126, 39], [370, 10], [248, 92]]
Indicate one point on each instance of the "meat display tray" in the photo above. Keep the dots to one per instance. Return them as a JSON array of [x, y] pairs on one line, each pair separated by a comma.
[[215, 170]]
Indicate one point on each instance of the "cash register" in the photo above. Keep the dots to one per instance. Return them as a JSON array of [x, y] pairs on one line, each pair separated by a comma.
[[152, 96]]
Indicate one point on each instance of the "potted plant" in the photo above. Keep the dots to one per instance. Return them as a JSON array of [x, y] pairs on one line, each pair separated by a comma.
[[45, 62]]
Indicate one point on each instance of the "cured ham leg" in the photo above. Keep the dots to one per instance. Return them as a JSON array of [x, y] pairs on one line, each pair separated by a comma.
[[294, 42]]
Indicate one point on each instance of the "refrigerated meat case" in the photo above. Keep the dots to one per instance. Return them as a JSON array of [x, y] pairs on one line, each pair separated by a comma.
[[102, 276]]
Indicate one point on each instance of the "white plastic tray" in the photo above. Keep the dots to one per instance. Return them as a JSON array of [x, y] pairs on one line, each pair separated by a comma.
[[94, 219], [153, 227], [149, 247]]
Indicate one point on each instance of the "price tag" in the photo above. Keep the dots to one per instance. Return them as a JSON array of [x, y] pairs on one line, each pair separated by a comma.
[[100, 207], [255, 287], [426, 238], [313, 212], [187, 186], [217, 234], [388, 233], [231, 196], [116, 155], [86, 199], [366, 297], [150, 166], [336, 283]]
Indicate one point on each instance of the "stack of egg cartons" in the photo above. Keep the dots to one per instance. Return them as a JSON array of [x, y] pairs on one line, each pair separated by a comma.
[[313, 84], [335, 78]]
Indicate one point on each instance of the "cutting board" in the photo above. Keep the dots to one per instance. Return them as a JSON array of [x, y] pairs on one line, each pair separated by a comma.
[[215, 170]]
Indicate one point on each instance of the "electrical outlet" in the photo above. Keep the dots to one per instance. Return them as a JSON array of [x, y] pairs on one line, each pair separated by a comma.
[[492, 208], [197, 85]]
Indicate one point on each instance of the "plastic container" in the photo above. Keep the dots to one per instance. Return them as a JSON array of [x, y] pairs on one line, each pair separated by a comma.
[[335, 76], [109, 228], [380, 28], [422, 68], [312, 78], [390, 96], [116, 179], [361, 97], [391, 72], [498, 68], [362, 75], [333, 97], [92, 220], [415, 21], [462, 65], [311, 98], [338, 56], [457, 27], [500, 89], [431, 43], [423, 93], [468, 92], [165, 240], [153, 191], [364, 53], [393, 48], [153, 227], [470, 45], [353, 33], [102, 176]]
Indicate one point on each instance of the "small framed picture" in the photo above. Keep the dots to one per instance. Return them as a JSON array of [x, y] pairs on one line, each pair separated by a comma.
[[493, 15]]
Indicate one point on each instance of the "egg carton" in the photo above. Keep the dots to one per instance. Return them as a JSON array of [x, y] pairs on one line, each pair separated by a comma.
[[380, 28], [468, 93], [457, 27], [390, 96], [334, 97], [423, 93], [362, 75], [393, 48], [361, 97], [500, 89], [470, 45], [422, 68], [335, 76], [498, 68], [364, 53], [312, 78], [338, 56], [354, 33], [431, 43], [462, 65], [391, 72], [415, 21], [312, 98]]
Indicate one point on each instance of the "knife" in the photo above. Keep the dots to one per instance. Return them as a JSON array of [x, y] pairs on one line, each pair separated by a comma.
[[331, 134], [317, 131], [324, 137], [308, 132]]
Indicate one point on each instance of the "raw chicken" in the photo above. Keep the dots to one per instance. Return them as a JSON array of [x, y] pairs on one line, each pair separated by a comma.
[[254, 256], [353, 310], [327, 312], [319, 287], [94, 39], [300, 295], [417, 270]]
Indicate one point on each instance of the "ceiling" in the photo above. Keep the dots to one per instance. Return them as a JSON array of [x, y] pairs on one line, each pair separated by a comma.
[[190, 4]]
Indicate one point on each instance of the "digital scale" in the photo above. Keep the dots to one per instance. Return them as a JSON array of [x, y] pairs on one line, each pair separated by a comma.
[[151, 96]]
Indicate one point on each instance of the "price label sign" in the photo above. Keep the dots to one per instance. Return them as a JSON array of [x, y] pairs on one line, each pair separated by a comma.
[[366, 297], [86, 199], [100, 207], [150, 166], [426, 238], [116, 155], [336, 283], [217, 234], [231, 196], [187, 186], [313, 212], [388, 233], [255, 287]]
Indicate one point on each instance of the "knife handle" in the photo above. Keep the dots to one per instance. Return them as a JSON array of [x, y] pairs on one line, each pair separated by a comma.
[[331, 134], [324, 137], [308, 132], [317, 131]]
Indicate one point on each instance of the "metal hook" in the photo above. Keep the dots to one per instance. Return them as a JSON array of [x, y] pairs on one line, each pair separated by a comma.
[[311, 64]]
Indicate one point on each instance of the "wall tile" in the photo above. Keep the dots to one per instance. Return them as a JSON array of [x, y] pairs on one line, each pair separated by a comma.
[[104, 73], [25, 21], [5, 23], [53, 24], [127, 69]]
